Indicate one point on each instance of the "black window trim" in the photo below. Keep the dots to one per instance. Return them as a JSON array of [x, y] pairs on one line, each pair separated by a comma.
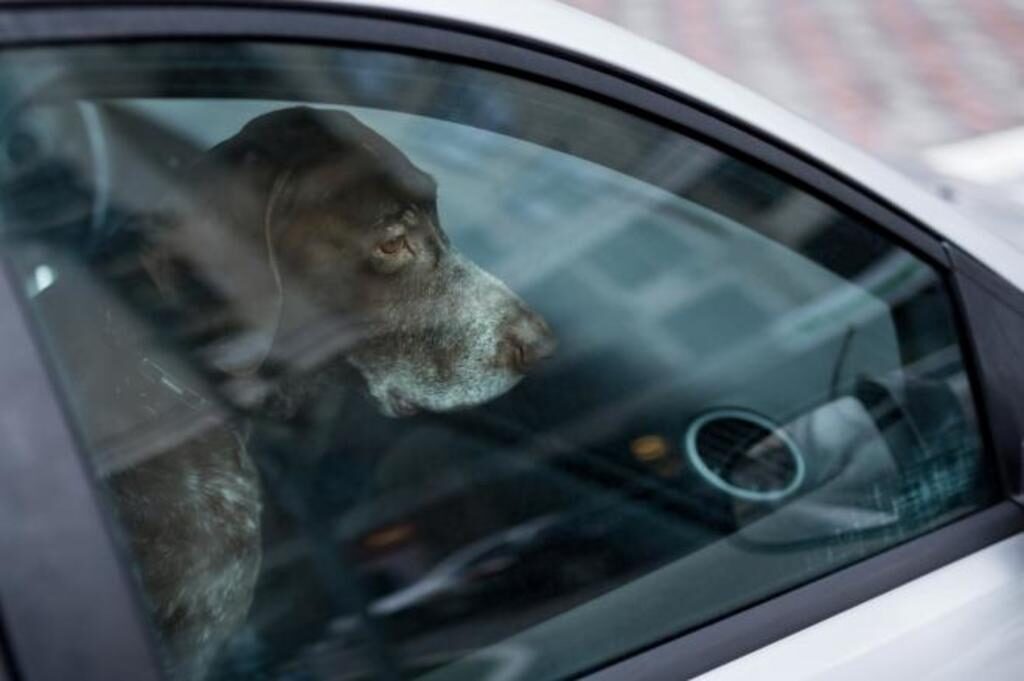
[[993, 311], [5, 656], [55, 23]]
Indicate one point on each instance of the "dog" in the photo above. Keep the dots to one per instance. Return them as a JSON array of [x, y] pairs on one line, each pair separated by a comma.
[[304, 217]]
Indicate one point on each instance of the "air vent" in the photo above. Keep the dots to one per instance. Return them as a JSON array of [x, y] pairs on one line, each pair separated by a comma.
[[744, 455]]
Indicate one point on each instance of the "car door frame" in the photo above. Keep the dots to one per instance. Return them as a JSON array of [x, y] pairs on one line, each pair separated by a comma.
[[43, 475], [68, 608]]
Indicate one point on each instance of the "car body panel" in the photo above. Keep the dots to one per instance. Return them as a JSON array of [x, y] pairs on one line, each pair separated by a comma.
[[969, 613]]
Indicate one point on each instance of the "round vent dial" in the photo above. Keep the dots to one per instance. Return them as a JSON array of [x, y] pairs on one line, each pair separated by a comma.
[[744, 455]]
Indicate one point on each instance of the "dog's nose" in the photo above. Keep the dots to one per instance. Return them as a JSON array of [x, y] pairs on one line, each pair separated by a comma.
[[526, 340]]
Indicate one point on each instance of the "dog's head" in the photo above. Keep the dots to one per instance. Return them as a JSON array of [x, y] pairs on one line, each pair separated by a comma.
[[349, 228]]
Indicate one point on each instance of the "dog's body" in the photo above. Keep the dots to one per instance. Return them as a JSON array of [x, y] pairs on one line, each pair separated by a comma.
[[305, 216], [193, 519]]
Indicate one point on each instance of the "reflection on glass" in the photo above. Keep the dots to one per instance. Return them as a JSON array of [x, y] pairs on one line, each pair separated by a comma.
[[395, 368]]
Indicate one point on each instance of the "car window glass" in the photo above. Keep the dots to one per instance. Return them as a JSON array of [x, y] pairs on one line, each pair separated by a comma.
[[396, 368]]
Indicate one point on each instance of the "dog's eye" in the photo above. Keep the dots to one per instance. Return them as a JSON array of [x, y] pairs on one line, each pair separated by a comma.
[[392, 246]]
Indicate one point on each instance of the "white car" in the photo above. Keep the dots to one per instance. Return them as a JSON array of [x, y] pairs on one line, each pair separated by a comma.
[[781, 435]]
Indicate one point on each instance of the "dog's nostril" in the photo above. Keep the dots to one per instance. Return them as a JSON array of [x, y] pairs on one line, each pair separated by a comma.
[[527, 341], [516, 355]]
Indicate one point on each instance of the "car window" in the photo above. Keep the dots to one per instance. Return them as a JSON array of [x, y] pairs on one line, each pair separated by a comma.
[[390, 367]]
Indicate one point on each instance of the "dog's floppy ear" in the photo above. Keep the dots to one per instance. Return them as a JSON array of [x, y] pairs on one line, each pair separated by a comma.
[[276, 199], [225, 233], [258, 198]]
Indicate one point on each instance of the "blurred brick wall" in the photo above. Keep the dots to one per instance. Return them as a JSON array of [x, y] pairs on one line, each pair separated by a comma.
[[893, 76]]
